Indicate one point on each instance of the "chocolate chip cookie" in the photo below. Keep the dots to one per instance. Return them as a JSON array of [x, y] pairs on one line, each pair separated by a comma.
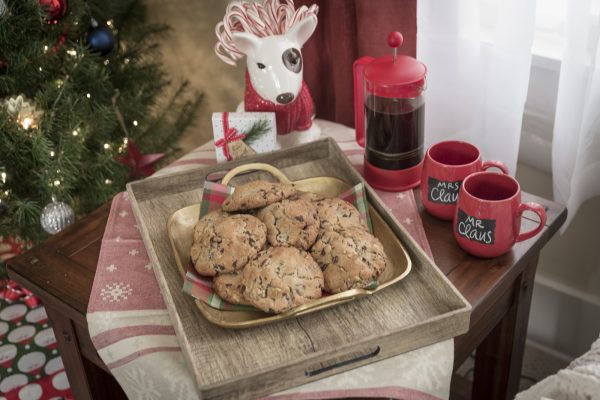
[[228, 244], [281, 278], [338, 214], [350, 259], [229, 287], [257, 194], [207, 220], [291, 222]]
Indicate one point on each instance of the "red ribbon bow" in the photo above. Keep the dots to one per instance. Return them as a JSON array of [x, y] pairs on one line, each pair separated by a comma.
[[230, 135], [11, 291]]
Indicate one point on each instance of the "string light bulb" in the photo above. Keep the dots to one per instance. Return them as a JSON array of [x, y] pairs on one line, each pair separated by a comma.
[[27, 123], [122, 147], [4, 194], [135, 123], [89, 96], [106, 146]]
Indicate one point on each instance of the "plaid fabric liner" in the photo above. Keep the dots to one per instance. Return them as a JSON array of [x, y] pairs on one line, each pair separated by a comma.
[[213, 195]]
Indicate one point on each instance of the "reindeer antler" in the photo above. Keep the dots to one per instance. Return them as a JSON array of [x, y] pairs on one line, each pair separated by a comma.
[[271, 17]]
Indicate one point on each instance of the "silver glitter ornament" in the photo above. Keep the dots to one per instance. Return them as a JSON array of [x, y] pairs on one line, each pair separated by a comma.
[[56, 216]]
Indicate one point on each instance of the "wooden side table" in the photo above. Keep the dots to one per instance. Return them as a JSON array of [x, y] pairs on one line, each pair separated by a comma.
[[61, 272]]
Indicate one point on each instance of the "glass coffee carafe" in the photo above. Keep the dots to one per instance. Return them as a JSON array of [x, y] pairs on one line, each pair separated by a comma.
[[389, 108]]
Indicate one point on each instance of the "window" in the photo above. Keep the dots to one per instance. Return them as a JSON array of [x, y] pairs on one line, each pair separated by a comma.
[[549, 35]]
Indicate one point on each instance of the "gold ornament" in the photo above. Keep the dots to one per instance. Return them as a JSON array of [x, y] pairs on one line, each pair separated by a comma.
[[23, 111]]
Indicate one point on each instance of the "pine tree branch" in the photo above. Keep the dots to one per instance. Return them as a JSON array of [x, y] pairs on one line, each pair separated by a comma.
[[81, 135], [258, 129]]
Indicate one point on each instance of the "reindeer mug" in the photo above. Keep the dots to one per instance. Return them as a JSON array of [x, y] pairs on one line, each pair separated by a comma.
[[445, 166], [487, 221], [271, 35]]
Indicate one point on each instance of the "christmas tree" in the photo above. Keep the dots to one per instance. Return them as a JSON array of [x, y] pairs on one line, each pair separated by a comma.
[[81, 105]]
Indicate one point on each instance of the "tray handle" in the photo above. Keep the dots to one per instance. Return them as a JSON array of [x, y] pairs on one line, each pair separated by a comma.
[[372, 352], [255, 167]]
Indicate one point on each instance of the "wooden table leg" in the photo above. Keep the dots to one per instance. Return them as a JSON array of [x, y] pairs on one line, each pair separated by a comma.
[[87, 380], [499, 357], [68, 347]]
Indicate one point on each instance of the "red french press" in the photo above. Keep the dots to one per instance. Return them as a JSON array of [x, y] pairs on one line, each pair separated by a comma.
[[389, 108]]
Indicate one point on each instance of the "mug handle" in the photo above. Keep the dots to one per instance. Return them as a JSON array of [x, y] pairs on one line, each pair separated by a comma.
[[498, 164], [539, 210]]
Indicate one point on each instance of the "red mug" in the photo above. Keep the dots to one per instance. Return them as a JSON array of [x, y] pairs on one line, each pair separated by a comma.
[[445, 166], [487, 220]]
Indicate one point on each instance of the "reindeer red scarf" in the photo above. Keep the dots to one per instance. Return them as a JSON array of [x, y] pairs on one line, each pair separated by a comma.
[[296, 116]]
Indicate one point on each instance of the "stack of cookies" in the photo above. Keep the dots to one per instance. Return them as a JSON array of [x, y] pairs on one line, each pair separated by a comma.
[[273, 247]]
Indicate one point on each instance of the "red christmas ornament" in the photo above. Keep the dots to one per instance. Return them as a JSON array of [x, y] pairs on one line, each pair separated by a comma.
[[55, 9], [140, 165], [62, 39]]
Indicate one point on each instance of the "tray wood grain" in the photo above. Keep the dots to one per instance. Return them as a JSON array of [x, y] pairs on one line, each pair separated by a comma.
[[420, 310]]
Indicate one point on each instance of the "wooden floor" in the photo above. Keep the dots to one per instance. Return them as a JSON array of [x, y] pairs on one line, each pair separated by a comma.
[[188, 54]]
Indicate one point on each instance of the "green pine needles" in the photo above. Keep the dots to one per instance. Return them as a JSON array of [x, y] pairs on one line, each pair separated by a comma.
[[63, 136], [257, 129]]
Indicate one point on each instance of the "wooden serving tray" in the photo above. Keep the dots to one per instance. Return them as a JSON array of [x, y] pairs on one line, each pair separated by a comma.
[[180, 228], [422, 309]]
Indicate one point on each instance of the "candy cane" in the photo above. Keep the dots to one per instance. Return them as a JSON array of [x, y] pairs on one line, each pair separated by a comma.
[[271, 17]]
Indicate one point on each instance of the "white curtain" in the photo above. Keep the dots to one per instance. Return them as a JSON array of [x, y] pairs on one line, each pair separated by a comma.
[[576, 141], [478, 71]]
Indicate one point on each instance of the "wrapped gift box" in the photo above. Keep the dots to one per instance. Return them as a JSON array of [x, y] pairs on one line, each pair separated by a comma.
[[242, 134], [30, 366]]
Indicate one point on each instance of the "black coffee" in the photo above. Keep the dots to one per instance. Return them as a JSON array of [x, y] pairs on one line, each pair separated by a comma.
[[394, 132]]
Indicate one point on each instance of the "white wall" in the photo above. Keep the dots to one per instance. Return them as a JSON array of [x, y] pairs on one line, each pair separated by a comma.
[[565, 313]]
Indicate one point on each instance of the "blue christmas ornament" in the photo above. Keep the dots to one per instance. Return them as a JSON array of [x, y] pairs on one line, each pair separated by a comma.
[[100, 39]]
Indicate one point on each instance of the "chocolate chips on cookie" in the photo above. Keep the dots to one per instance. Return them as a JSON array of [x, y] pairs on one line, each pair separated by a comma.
[[350, 259], [228, 244], [338, 214], [257, 194], [229, 287], [207, 221], [291, 222], [281, 278]]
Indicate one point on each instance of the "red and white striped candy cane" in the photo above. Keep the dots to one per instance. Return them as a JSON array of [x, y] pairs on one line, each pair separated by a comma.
[[271, 17]]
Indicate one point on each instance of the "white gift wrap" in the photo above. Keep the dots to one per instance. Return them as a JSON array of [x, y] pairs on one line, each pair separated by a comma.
[[242, 122]]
